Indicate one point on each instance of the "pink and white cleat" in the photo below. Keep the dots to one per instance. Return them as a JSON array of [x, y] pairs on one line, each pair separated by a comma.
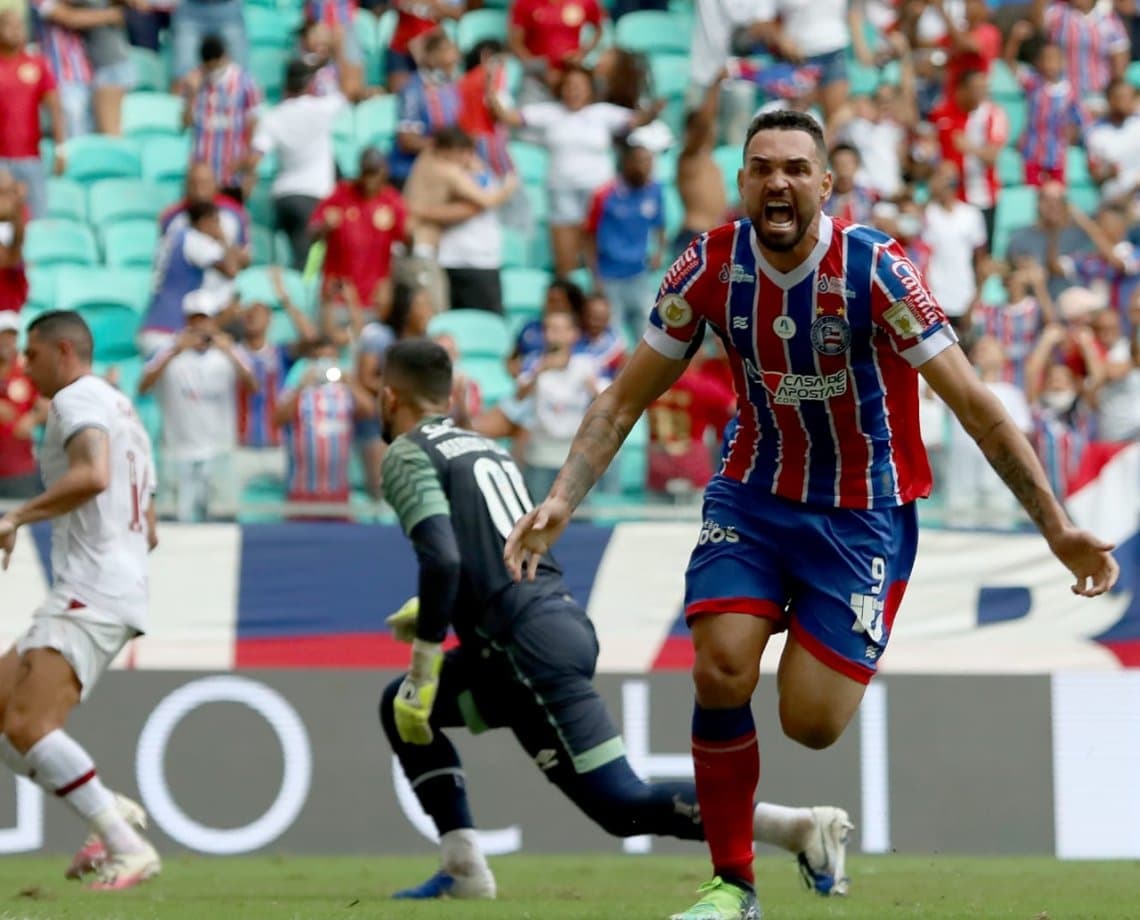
[[118, 873], [93, 853]]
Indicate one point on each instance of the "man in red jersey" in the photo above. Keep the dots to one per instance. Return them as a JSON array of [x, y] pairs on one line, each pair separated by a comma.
[[26, 84], [810, 525]]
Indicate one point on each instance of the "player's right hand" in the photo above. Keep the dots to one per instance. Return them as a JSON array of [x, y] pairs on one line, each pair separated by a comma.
[[1089, 559], [7, 540], [533, 536], [403, 621], [412, 709]]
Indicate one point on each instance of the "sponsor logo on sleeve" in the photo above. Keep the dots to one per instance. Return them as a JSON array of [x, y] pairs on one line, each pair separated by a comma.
[[922, 305], [684, 270], [900, 318], [674, 311]]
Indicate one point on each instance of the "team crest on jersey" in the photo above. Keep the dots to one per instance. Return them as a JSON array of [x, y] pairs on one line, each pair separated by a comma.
[[784, 327], [685, 269], [831, 335], [674, 311], [735, 274]]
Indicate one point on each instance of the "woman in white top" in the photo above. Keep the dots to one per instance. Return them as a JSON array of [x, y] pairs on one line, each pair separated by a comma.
[[579, 133]]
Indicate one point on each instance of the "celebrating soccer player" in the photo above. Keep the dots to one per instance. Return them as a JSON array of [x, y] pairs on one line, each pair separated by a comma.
[[97, 465], [825, 323], [526, 656]]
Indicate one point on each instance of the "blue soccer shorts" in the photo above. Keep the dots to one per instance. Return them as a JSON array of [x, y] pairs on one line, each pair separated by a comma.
[[834, 577]]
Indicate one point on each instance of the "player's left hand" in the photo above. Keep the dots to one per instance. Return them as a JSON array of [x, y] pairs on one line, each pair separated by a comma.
[[1089, 559], [403, 621], [412, 710], [7, 540]]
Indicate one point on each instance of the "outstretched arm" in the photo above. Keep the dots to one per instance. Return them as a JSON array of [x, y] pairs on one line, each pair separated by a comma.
[[1013, 458]]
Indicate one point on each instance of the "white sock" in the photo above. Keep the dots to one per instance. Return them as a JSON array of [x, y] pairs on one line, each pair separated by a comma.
[[460, 853], [59, 764], [781, 826], [13, 759]]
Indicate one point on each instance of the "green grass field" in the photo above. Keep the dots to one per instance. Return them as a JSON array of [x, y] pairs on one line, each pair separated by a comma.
[[577, 888]]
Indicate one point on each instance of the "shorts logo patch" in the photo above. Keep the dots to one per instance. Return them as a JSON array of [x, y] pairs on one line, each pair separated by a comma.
[[546, 759], [712, 532], [674, 311], [784, 327], [831, 335]]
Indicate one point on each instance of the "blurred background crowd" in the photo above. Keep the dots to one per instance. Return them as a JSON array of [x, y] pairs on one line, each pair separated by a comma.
[[251, 199]]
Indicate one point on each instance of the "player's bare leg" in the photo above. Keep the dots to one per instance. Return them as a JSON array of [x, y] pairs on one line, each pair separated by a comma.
[[35, 744]]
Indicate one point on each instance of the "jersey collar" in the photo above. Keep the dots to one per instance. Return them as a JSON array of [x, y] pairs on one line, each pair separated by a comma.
[[788, 280]]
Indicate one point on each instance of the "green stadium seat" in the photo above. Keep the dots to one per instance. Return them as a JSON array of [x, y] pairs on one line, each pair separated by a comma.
[[1011, 171], [94, 157], [633, 460], [674, 211], [524, 287], [270, 28], [150, 70], [531, 161], [41, 289], [1077, 169], [516, 249], [728, 158], [1003, 83], [1016, 207], [652, 30], [127, 371], [261, 242], [66, 199], [254, 284], [540, 254], [281, 329], [50, 243], [386, 26], [283, 250], [170, 191], [539, 202], [994, 292], [1134, 74], [260, 205], [1016, 112], [367, 31], [81, 287], [376, 118], [478, 334], [267, 67], [477, 25], [130, 244], [670, 75], [344, 128], [347, 153], [152, 115], [165, 158], [495, 382], [114, 200], [517, 318], [863, 81], [1085, 197]]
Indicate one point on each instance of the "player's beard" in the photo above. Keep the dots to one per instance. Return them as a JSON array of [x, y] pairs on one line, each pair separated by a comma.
[[784, 239]]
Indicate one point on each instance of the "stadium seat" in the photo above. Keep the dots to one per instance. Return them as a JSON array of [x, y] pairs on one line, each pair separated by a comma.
[[94, 157], [77, 288], [1016, 112], [347, 153], [1003, 83], [1134, 74], [1077, 169], [652, 30], [539, 202], [1011, 171], [260, 205], [674, 211], [150, 71], [271, 28], [267, 66], [1016, 207], [261, 242], [127, 372], [165, 158], [344, 128], [728, 158], [50, 243], [376, 120], [367, 30], [130, 244], [41, 289], [670, 75], [66, 199], [476, 25], [1085, 197], [281, 329], [863, 80], [524, 288], [254, 284], [495, 383], [516, 249], [531, 161], [114, 200], [478, 334], [540, 254], [152, 115]]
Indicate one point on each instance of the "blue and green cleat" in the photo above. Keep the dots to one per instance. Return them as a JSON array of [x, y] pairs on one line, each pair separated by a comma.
[[721, 900]]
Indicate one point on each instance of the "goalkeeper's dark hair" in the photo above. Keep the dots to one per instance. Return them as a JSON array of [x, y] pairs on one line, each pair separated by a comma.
[[421, 369], [65, 325]]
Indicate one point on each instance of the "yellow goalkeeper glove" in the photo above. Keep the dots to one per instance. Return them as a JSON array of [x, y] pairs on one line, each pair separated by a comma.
[[416, 696], [403, 621]]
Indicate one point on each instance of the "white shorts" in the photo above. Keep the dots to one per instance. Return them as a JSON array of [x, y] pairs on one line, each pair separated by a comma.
[[88, 640]]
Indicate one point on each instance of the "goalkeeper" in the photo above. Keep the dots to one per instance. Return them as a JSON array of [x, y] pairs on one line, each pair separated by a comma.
[[526, 656]]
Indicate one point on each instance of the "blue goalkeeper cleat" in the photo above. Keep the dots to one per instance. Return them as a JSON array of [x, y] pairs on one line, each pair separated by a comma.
[[445, 885], [721, 900], [823, 862]]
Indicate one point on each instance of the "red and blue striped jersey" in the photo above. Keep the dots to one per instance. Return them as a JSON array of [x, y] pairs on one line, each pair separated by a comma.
[[853, 206], [270, 365], [319, 440], [1015, 326], [64, 49], [331, 12], [1052, 111], [1060, 441], [1088, 41], [223, 112], [823, 360]]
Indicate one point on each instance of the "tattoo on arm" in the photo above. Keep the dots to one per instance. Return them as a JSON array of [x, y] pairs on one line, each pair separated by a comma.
[[1012, 458], [594, 448]]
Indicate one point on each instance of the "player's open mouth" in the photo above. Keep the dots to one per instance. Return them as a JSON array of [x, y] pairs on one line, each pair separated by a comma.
[[779, 215]]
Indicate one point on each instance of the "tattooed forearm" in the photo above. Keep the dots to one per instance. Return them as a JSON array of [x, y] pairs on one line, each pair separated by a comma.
[[1012, 457], [598, 440]]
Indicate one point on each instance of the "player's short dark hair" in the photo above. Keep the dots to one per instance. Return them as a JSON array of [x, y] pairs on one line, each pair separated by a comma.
[[197, 211], [453, 138], [845, 148], [66, 325], [788, 120], [298, 76], [420, 368], [213, 48]]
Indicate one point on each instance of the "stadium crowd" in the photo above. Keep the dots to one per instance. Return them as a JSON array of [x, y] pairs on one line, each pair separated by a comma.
[[250, 203]]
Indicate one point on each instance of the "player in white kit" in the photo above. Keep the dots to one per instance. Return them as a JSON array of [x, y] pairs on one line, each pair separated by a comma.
[[98, 469]]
